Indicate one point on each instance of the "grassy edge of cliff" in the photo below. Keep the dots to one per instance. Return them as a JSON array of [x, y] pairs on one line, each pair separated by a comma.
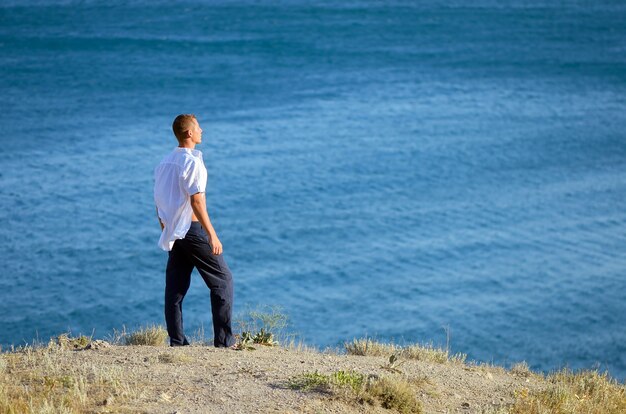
[[46, 378]]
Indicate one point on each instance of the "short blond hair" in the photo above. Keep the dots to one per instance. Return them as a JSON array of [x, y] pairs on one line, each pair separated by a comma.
[[182, 124]]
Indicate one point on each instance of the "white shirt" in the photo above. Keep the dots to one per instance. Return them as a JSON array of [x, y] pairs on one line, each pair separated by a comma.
[[179, 175]]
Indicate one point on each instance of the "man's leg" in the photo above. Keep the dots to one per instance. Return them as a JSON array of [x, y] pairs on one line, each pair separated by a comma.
[[177, 280], [218, 278]]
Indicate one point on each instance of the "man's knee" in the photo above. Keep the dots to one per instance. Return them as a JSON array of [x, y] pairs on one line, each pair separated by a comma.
[[225, 283], [173, 297]]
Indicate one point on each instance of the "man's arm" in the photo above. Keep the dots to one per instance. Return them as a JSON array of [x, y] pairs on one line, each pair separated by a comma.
[[160, 222], [198, 204]]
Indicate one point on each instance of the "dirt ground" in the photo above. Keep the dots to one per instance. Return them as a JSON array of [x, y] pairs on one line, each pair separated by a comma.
[[200, 379]]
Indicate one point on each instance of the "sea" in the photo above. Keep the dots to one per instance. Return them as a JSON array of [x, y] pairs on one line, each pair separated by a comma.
[[449, 173]]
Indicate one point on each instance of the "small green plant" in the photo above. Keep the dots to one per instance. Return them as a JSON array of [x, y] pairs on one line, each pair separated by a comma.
[[321, 382], [153, 335], [245, 342], [247, 339], [267, 325], [354, 380], [264, 326], [264, 338], [309, 381]]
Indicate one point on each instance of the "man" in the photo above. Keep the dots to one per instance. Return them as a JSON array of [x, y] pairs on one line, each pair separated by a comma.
[[187, 234]]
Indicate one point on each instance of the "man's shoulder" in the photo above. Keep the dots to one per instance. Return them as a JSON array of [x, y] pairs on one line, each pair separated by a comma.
[[188, 160], [177, 157], [181, 160]]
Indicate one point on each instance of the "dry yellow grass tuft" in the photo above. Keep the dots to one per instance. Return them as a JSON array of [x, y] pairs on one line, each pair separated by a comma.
[[298, 345], [72, 343], [427, 352], [573, 392], [390, 392], [395, 394], [368, 347], [152, 335], [430, 353], [521, 369], [33, 380], [173, 358]]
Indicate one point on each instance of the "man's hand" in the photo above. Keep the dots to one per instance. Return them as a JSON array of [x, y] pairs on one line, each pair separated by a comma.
[[216, 244]]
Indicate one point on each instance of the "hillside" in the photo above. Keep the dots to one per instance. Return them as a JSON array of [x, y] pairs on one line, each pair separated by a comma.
[[78, 375]]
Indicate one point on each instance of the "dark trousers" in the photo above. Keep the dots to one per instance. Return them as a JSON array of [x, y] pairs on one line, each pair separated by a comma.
[[194, 251]]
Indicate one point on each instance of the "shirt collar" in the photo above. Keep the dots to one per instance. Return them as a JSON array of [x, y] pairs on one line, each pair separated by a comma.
[[194, 152]]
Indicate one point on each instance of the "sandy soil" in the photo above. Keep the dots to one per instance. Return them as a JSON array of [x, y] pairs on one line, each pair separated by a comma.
[[199, 379]]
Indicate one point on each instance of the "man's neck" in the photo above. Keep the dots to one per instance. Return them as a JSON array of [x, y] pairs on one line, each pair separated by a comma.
[[187, 144]]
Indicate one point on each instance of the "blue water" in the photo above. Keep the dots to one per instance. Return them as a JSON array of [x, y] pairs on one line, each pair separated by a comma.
[[390, 169]]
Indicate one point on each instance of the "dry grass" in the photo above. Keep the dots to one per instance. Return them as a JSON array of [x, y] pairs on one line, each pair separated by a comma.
[[173, 358], [521, 369], [72, 343], [571, 392], [295, 344], [395, 394], [59, 378], [117, 337], [34, 380], [487, 367], [368, 347], [152, 335], [199, 337], [430, 353], [391, 392], [427, 352]]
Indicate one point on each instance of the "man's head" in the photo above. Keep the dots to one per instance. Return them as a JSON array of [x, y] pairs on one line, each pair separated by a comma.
[[187, 129]]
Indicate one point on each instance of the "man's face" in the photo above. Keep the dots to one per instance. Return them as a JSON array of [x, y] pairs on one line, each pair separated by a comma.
[[196, 132]]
